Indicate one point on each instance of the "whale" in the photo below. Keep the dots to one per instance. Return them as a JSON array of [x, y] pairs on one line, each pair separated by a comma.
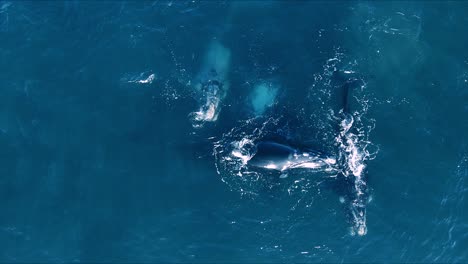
[[212, 93], [279, 157], [211, 84]]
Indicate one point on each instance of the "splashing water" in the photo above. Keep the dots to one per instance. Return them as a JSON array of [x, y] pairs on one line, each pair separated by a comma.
[[233, 151]]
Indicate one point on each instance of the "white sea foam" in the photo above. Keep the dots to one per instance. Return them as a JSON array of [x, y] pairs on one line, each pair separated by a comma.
[[207, 112], [149, 79], [140, 78]]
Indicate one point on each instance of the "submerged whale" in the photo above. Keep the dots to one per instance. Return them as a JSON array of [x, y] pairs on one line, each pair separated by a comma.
[[212, 84], [212, 91]]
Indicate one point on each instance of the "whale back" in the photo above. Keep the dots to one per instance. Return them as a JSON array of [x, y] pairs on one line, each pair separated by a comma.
[[271, 153]]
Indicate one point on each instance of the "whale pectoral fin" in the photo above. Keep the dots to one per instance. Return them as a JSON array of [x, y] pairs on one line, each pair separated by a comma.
[[283, 175]]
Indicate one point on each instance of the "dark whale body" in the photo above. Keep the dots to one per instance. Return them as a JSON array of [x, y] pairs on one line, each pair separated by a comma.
[[279, 157], [276, 156]]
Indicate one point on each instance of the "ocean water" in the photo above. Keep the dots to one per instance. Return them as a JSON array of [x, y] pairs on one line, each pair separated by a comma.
[[126, 130]]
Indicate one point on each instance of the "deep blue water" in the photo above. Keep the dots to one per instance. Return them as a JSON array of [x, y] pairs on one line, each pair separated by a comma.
[[103, 159]]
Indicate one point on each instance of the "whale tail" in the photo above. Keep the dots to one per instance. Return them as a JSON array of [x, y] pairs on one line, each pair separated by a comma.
[[345, 82]]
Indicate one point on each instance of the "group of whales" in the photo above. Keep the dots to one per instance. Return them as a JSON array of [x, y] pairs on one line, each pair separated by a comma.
[[269, 155], [279, 155]]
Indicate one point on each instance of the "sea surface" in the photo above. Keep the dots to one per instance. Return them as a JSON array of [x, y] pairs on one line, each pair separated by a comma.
[[126, 128]]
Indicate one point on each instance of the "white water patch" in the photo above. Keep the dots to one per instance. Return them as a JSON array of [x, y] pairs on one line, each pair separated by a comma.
[[207, 112], [139, 78], [232, 155], [242, 150], [263, 96], [148, 79]]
